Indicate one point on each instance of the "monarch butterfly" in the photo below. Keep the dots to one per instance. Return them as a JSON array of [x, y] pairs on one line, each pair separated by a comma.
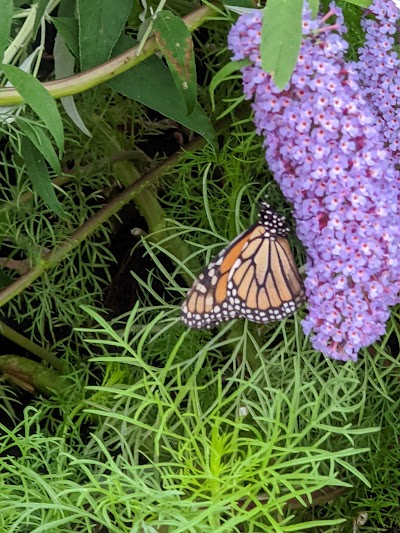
[[254, 277]]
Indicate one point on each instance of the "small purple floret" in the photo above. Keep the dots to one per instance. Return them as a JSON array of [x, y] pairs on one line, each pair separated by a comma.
[[333, 161], [379, 68]]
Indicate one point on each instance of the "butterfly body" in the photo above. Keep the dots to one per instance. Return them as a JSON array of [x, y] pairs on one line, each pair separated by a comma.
[[254, 277]]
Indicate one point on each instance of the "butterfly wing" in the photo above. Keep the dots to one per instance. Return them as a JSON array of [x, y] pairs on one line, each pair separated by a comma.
[[255, 277], [207, 304], [264, 284]]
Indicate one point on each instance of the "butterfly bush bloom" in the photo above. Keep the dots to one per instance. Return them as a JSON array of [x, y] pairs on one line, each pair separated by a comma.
[[379, 68], [328, 154]]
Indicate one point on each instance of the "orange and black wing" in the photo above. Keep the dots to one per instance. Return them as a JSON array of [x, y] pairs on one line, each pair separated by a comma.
[[206, 304], [264, 284], [255, 277]]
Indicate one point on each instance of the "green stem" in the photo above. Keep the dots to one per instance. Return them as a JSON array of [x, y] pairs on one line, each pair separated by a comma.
[[112, 68], [29, 345], [55, 256], [149, 28], [151, 210], [32, 376], [23, 36]]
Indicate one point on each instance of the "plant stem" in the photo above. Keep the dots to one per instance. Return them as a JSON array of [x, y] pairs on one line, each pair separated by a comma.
[[60, 181], [56, 255], [151, 210], [23, 36], [31, 375], [112, 68], [29, 345], [160, 7]]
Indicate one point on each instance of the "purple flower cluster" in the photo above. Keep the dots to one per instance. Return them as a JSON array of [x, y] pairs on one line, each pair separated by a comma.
[[379, 68], [329, 155]]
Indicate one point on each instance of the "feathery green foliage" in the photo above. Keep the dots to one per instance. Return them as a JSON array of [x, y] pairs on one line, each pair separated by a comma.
[[160, 428]]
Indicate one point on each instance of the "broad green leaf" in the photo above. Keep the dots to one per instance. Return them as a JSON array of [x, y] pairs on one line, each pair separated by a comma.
[[314, 6], [37, 97], [151, 84], [281, 36], [39, 175], [8, 113], [41, 8], [362, 3], [100, 25], [224, 73], [4, 280], [176, 44], [64, 63], [6, 9], [69, 30], [39, 138], [67, 8]]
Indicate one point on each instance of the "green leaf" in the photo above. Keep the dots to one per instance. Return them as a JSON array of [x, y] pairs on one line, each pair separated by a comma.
[[7, 9], [40, 177], [151, 84], [41, 8], [362, 3], [64, 63], [176, 44], [69, 30], [39, 138], [100, 24], [281, 37], [67, 8], [38, 98], [223, 75], [314, 6]]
